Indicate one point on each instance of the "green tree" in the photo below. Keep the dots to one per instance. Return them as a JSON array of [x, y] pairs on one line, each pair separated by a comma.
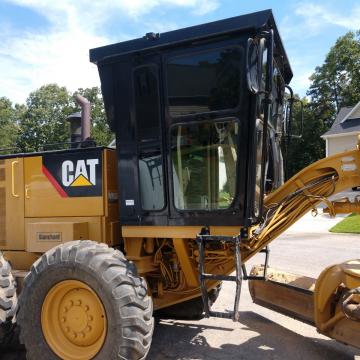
[[8, 123], [300, 153], [44, 120], [336, 83]]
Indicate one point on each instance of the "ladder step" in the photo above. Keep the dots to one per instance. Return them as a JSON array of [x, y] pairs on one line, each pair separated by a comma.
[[218, 277], [251, 277], [216, 238], [201, 240], [223, 315]]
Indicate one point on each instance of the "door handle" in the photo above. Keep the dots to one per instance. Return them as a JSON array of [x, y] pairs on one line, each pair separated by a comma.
[[13, 193], [27, 192]]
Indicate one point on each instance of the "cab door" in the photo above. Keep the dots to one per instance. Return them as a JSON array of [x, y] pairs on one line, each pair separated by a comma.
[[140, 145]]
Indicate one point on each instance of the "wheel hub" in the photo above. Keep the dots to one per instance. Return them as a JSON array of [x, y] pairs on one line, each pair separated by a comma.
[[73, 320], [80, 316]]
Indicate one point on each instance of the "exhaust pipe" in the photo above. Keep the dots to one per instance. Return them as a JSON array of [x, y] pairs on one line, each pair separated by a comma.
[[85, 116]]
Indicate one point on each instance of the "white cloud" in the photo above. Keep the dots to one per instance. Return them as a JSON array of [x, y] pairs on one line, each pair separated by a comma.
[[317, 16], [94, 13], [204, 6], [311, 19], [60, 53], [38, 59], [302, 32], [303, 63], [301, 82]]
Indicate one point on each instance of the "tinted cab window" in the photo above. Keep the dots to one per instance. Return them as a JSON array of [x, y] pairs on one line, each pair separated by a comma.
[[204, 82]]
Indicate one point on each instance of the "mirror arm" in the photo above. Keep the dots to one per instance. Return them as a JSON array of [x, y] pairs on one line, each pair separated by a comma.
[[250, 84], [288, 122], [291, 91], [267, 113], [270, 62], [288, 119]]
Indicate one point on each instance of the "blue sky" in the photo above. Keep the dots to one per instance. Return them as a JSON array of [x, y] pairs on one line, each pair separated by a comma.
[[45, 41]]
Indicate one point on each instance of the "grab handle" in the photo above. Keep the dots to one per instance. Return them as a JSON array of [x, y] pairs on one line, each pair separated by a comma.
[[13, 179]]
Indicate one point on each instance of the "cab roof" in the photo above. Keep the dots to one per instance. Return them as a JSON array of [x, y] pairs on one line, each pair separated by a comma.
[[251, 23]]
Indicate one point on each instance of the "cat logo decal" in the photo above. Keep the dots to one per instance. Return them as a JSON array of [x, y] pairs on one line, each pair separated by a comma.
[[75, 173]]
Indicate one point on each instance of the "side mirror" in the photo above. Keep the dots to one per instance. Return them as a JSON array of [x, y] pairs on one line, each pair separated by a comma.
[[293, 121], [254, 51]]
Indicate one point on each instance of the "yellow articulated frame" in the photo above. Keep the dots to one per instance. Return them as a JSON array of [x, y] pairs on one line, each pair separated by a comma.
[[21, 260], [288, 204], [283, 207], [301, 193], [183, 264], [187, 266], [168, 257], [330, 318], [343, 206]]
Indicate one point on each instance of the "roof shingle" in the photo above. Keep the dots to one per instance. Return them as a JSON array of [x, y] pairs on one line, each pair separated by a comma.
[[339, 127]]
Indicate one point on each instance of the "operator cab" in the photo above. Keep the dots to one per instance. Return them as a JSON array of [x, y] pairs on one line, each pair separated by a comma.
[[193, 111]]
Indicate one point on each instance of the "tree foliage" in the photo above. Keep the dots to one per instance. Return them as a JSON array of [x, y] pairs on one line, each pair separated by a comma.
[[8, 123], [336, 83], [299, 153], [44, 121]]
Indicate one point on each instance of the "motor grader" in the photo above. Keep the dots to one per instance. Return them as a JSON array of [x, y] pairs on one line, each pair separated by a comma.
[[97, 238]]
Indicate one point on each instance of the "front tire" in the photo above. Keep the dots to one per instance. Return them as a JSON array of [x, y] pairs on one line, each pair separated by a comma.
[[83, 300]]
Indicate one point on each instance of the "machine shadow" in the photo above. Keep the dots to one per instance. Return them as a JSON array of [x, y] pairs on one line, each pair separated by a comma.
[[176, 339]]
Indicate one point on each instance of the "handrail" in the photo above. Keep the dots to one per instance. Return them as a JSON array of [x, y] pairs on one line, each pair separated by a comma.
[[13, 163]]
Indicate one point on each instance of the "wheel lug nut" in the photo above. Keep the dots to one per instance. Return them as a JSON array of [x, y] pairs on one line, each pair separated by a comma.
[[78, 303], [86, 308], [63, 319], [88, 329], [90, 318]]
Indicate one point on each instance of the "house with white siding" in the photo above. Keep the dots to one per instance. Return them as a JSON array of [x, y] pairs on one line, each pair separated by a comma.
[[343, 135]]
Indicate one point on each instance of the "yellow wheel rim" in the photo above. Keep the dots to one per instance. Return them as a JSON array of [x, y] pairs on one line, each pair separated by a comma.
[[73, 321]]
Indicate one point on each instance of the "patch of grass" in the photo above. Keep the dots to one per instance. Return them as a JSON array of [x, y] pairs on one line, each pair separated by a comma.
[[350, 224]]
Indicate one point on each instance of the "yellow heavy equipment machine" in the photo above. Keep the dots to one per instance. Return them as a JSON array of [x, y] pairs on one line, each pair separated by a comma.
[[97, 237]]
